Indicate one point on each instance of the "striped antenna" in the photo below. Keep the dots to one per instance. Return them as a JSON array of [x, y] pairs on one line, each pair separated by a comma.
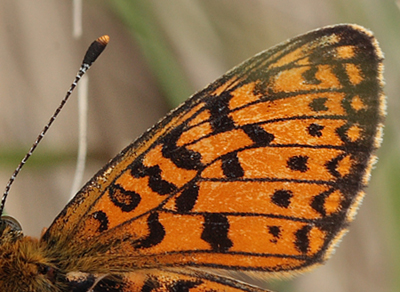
[[94, 50]]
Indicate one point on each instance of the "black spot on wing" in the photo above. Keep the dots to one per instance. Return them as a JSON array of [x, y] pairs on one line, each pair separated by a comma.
[[156, 183], [156, 233], [333, 164], [218, 107], [123, 199], [231, 166], [187, 199], [275, 231], [282, 198], [318, 202], [315, 130], [309, 76], [215, 232], [302, 242], [102, 218], [318, 104], [138, 170], [181, 156], [258, 135], [298, 163]]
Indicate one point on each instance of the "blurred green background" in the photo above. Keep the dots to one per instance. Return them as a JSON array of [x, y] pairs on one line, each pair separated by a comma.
[[160, 53]]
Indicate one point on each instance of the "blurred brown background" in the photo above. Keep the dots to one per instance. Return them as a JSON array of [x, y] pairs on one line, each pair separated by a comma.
[[160, 53]]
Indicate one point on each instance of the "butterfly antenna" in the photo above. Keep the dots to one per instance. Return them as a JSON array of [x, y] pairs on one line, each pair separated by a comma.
[[95, 49]]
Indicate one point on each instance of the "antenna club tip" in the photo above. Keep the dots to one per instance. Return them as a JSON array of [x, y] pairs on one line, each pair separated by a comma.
[[103, 40]]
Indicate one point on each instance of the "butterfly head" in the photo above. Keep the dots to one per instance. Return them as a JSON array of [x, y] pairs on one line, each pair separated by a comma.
[[23, 266], [27, 265], [10, 225]]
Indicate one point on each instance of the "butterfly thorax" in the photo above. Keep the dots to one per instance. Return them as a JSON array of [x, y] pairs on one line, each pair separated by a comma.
[[23, 264]]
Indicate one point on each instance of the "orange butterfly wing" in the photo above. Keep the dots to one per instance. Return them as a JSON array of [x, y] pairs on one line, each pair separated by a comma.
[[177, 280], [261, 171]]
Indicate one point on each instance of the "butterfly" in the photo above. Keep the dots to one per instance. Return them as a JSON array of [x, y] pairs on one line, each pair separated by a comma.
[[262, 171]]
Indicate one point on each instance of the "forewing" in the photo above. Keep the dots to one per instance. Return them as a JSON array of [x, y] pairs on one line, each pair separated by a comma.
[[262, 170]]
